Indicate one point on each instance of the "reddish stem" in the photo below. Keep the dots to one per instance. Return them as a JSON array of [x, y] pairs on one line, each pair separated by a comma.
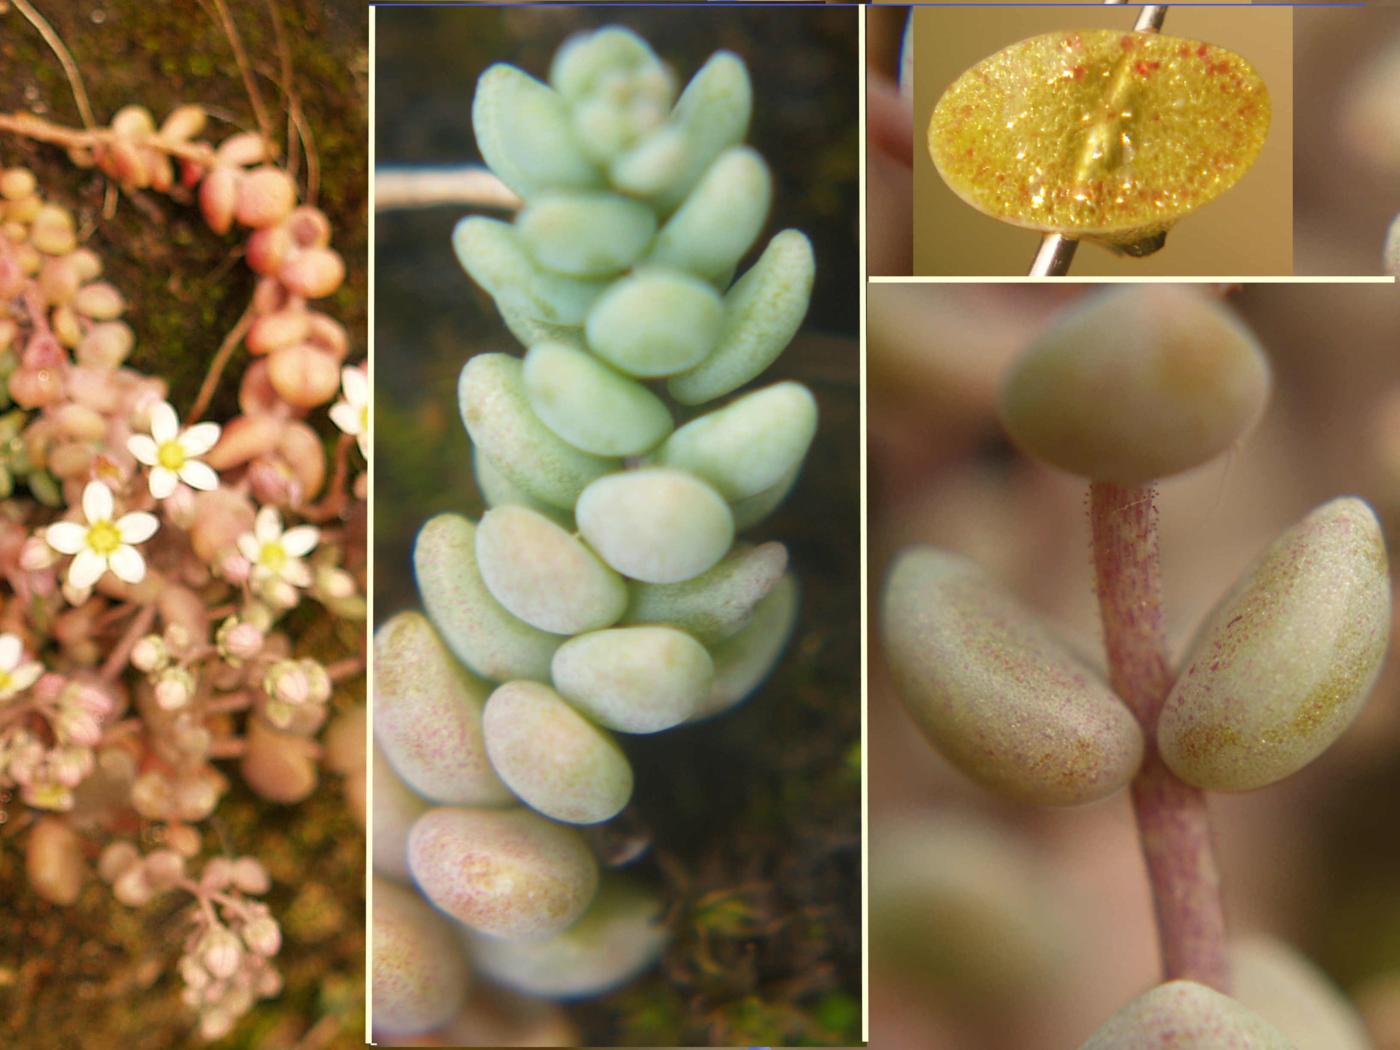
[[1172, 820]]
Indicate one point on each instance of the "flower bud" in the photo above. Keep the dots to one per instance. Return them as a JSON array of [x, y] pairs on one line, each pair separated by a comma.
[[174, 688], [263, 936], [116, 858], [287, 681], [164, 868], [221, 952], [266, 195], [238, 640], [149, 654], [131, 887]]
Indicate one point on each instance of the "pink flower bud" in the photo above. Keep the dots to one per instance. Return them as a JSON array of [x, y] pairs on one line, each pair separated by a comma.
[[220, 952], [287, 681], [192, 973], [183, 123], [149, 654], [78, 727], [235, 568], [34, 388], [195, 797], [318, 681], [263, 936], [174, 688], [96, 701], [36, 555], [217, 875], [240, 640], [151, 796]]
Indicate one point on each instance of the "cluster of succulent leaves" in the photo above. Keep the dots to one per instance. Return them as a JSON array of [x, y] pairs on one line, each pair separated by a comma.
[[603, 591], [1127, 387]]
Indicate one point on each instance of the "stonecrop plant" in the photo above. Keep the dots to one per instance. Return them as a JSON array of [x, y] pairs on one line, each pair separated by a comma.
[[604, 590], [151, 557], [1127, 387]]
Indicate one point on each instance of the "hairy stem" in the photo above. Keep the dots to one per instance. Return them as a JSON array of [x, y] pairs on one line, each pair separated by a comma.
[[1173, 823]]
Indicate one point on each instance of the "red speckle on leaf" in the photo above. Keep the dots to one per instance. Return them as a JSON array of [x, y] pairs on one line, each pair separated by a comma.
[[1126, 43]]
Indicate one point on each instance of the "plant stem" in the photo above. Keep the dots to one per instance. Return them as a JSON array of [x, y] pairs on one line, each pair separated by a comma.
[[1173, 823]]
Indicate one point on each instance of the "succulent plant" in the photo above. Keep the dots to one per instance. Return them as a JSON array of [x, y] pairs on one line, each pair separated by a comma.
[[1128, 386], [603, 590]]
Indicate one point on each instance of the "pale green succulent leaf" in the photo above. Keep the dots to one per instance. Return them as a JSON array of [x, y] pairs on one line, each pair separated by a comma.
[[591, 406]]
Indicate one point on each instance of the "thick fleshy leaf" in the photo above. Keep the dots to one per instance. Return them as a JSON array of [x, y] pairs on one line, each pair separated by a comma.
[[717, 604], [1099, 132], [553, 758], [544, 574], [995, 692], [719, 221], [655, 525], [586, 234], [591, 406], [506, 873], [620, 935], [762, 312], [496, 258], [475, 626], [749, 445], [1134, 384], [744, 660], [1285, 662], [427, 715], [497, 414], [634, 679], [524, 133], [656, 322], [418, 973], [1184, 1015], [1292, 994]]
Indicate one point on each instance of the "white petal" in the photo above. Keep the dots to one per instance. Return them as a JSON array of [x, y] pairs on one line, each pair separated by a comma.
[[144, 449], [87, 569], [165, 425], [356, 386], [66, 537], [26, 675], [137, 527], [363, 438], [97, 502], [295, 572], [345, 417], [10, 651], [249, 547], [199, 475], [128, 564], [163, 482], [200, 438], [267, 526], [300, 540]]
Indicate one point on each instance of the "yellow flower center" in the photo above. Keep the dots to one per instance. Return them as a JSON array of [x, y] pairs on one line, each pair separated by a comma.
[[103, 537], [5, 679], [273, 556], [364, 418], [171, 455]]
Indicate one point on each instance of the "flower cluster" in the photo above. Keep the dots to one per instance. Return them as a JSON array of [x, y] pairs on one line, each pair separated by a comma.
[[152, 559]]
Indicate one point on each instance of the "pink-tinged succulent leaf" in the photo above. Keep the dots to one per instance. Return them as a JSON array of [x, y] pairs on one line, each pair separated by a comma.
[[1184, 1015], [1284, 663], [995, 692]]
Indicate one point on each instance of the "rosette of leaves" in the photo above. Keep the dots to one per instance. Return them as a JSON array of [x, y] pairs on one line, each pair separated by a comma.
[[603, 591]]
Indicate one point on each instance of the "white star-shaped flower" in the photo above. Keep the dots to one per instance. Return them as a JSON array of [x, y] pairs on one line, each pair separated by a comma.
[[352, 414], [102, 543], [16, 673], [278, 554], [172, 453]]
